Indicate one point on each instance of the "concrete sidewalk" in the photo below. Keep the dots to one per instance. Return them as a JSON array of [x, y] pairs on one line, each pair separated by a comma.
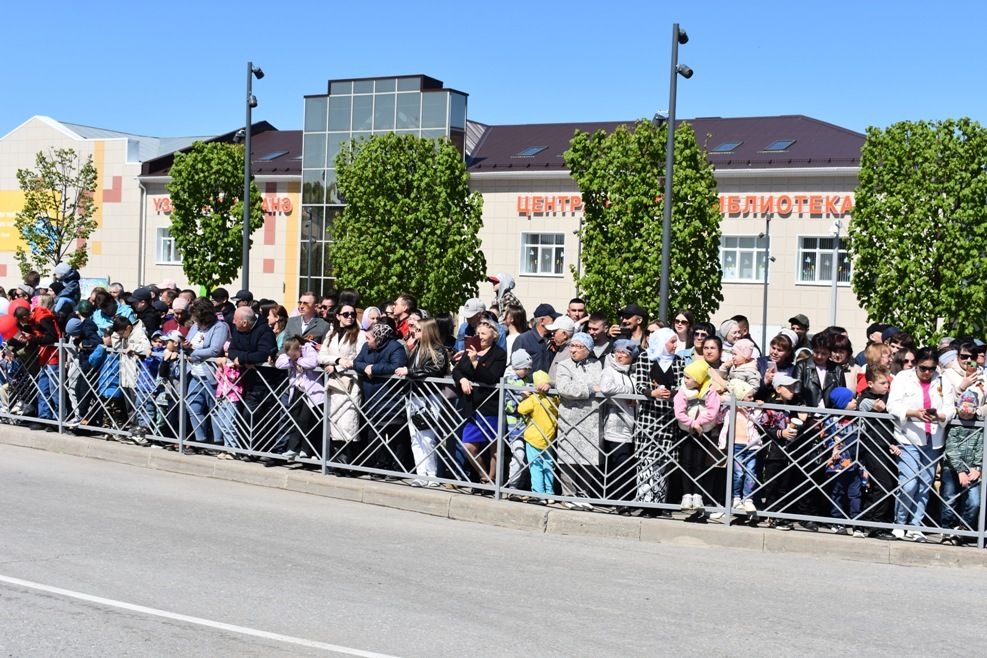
[[458, 506]]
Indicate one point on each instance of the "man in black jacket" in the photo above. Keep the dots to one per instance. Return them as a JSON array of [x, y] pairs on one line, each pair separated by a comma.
[[252, 344]]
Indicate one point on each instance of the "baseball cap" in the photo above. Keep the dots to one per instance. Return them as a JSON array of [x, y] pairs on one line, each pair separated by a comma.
[[173, 335], [139, 295], [61, 270], [493, 279], [563, 322], [633, 309], [800, 320], [545, 309], [876, 327], [473, 307], [780, 380], [180, 304], [168, 284], [220, 295], [244, 296], [159, 306]]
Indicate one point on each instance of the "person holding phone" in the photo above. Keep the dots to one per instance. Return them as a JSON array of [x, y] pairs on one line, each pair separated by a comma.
[[921, 412]]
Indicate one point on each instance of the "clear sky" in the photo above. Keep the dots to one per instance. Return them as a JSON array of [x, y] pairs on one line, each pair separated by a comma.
[[178, 68]]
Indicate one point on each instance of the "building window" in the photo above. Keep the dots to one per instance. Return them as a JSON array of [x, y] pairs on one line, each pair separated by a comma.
[[816, 261], [167, 251], [742, 257], [542, 253]]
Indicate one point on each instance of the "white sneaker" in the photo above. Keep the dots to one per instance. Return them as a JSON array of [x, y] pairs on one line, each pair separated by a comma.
[[716, 516], [749, 506], [432, 484], [586, 507], [289, 455], [697, 501], [686, 504], [418, 482], [738, 504], [859, 534], [899, 533], [303, 455], [916, 537]]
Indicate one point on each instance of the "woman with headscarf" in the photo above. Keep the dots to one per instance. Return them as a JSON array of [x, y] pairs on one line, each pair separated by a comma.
[[730, 332], [369, 317], [383, 395], [657, 432], [578, 442]]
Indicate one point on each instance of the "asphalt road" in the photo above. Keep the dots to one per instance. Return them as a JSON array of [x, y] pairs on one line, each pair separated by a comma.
[[358, 578]]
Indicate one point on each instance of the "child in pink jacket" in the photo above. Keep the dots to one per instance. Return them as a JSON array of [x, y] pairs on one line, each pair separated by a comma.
[[697, 406]]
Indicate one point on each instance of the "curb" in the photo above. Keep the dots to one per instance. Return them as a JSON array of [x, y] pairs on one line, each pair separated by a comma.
[[503, 513]]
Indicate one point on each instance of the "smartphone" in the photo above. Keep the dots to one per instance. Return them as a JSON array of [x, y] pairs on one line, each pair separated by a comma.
[[932, 411], [625, 332], [472, 341]]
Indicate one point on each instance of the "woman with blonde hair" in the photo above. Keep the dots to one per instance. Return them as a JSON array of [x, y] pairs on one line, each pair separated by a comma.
[[424, 408]]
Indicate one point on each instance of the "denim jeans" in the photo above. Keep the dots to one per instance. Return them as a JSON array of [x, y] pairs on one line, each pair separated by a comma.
[[224, 424], [916, 470], [201, 398], [846, 491], [541, 467], [960, 504], [48, 392], [744, 471]]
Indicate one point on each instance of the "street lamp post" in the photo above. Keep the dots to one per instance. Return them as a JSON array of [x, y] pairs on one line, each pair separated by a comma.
[[251, 104], [836, 266], [767, 266], [678, 36]]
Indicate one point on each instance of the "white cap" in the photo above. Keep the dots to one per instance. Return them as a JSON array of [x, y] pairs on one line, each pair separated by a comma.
[[563, 322], [473, 307]]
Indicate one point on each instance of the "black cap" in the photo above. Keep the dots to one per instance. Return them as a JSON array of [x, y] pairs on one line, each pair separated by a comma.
[[878, 327], [159, 306], [139, 295], [220, 295], [800, 319], [545, 309], [633, 309], [244, 296]]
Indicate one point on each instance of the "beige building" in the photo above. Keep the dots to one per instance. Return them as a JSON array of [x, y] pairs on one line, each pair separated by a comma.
[[796, 171]]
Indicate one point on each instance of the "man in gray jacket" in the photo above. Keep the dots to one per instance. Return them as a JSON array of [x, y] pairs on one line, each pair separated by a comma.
[[307, 324]]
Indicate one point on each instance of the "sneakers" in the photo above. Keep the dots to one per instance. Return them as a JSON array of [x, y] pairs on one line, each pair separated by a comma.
[[289, 455], [738, 504], [418, 482], [432, 484], [899, 534], [859, 534], [783, 525], [303, 455], [749, 506], [916, 536], [225, 456], [686, 503], [697, 501], [838, 529]]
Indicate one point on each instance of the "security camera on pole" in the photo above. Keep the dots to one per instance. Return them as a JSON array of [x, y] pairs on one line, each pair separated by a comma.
[[678, 37]]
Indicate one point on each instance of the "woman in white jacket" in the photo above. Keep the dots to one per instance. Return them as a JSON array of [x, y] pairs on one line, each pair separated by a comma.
[[338, 351], [921, 411], [618, 429]]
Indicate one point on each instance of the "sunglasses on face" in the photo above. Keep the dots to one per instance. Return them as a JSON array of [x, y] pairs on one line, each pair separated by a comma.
[[909, 361], [681, 321], [303, 303], [926, 368], [700, 334], [347, 314]]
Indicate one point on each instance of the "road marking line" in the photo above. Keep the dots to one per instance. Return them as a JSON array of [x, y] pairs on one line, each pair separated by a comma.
[[233, 628]]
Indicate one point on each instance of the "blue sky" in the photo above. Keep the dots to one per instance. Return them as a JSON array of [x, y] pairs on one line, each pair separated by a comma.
[[178, 68]]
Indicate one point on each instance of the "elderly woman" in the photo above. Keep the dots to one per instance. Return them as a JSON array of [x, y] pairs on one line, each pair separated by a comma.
[[476, 374], [921, 412], [383, 395], [205, 341], [656, 431], [578, 443], [618, 429]]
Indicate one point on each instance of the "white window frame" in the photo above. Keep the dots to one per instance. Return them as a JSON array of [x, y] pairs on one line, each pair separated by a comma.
[[761, 246], [522, 265], [164, 246], [802, 252]]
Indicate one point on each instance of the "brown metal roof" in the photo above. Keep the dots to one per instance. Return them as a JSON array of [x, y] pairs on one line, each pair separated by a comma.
[[265, 140], [817, 143]]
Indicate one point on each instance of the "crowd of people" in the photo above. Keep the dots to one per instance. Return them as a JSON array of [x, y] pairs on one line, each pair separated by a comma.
[[630, 414]]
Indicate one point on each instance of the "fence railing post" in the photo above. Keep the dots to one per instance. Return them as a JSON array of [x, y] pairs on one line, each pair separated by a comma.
[[61, 386], [182, 393], [326, 425], [983, 497], [501, 424], [731, 437]]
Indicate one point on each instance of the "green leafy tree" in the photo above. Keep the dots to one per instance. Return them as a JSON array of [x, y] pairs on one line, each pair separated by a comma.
[[918, 238], [58, 211], [410, 223], [621, 176], [207, 213]]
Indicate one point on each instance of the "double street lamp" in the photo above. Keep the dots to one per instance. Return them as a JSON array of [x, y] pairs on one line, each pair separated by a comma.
[[252, 71], [678, 37]]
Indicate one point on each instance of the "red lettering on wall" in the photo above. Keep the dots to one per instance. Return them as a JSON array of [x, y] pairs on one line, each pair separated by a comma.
[[544, 205], [784, 205]]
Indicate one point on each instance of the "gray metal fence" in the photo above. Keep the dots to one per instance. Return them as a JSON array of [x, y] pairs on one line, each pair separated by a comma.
[[785, 465]]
